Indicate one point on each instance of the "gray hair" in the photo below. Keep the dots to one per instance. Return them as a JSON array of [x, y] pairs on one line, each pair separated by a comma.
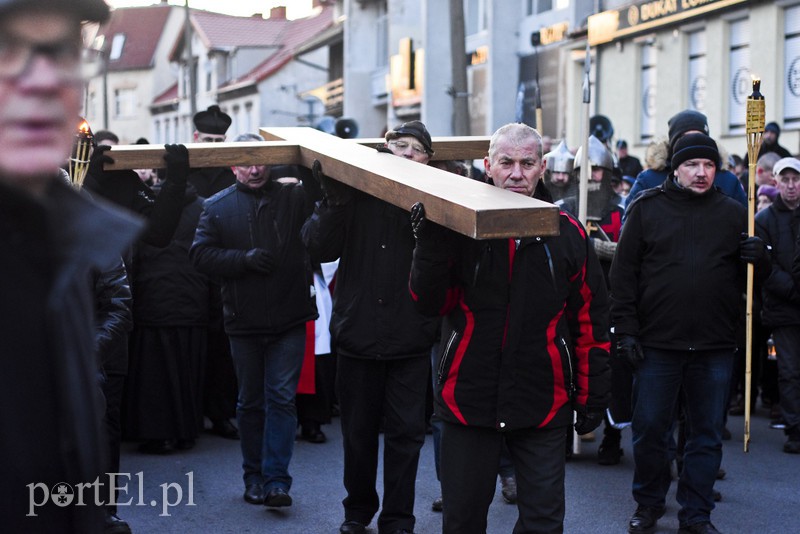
[[247, 137], [517, 133]]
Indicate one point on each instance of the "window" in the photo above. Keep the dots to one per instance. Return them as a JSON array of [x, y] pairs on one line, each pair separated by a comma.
[[697, 71], [740, 79], [791, 53], [116, 47], [124, 103], [647, 124]]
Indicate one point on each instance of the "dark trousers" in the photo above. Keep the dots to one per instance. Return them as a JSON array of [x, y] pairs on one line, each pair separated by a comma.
[[112, 391], [470, 460], [371, 391], [787, 341]]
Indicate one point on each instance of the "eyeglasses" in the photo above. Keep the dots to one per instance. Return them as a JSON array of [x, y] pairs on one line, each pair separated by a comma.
[[67, 57], [402, 146], [210, 139]]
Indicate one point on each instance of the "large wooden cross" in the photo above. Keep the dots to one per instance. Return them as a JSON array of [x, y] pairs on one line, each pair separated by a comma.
[[467, 206]]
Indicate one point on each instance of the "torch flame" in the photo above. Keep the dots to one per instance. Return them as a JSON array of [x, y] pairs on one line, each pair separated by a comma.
[[84, 128]]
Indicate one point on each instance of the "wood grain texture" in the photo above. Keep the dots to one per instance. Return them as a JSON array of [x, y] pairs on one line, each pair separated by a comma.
[[466, 206], [472, 208]]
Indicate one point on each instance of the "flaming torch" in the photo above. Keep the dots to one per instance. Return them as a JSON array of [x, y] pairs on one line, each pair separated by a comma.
[[754, 130], [81, 151]]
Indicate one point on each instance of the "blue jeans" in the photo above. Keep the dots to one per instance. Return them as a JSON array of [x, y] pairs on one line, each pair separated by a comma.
[[703, 378], [268, 369]]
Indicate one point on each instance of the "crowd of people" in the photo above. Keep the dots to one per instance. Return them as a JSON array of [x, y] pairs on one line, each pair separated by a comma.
[[155, 304]]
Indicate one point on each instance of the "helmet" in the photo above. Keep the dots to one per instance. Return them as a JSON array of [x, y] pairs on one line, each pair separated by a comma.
[[560, 159], [599, 155]]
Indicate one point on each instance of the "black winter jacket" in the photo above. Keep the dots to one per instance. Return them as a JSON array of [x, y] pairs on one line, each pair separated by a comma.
[[777, 226], [525, 334], [113, 318], [238, 219], [373, 315], [676, 279]]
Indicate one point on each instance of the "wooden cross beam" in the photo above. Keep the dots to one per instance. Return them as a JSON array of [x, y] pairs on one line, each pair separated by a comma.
[[469, 207]]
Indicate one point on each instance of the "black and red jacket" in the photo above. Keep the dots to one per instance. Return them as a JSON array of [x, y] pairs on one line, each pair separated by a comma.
[[525, 334]]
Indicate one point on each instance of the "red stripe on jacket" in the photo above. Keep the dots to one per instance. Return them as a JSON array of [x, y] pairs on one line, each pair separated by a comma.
[[448, 392]]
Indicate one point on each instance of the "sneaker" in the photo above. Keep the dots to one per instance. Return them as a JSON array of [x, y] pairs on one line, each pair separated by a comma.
[[509, 490], [778, 424]]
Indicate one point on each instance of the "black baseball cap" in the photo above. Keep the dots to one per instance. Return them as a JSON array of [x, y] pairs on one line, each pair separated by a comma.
[[88, 10]]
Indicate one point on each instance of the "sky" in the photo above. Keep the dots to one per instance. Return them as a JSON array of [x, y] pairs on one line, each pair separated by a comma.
[[244, 8]]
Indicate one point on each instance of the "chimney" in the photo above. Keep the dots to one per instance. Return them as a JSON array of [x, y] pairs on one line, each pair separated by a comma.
[[277, 13]]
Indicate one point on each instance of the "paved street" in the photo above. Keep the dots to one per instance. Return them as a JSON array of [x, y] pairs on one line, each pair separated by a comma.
[[761, 493]]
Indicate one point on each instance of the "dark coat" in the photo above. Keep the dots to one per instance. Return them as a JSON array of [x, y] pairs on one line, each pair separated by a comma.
[[238, 219], [210, 181], [676, 279], [373, 315], [50, 401], [113, 318], [525, 332], [168, 289], [777, 226]]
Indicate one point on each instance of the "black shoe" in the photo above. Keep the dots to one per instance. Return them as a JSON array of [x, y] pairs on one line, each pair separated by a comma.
[[352, 527], [644, 519], [312, 434], [716, 495], [609, 453], [277, 498], [437, 505], [792, 446], [157, 446], [721, 473], [254, 494], [699, 528], [115, 525], [225, 429]]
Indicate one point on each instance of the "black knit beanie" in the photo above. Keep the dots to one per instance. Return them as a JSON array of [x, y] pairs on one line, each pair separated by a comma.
[[694, 146], [686, 121]]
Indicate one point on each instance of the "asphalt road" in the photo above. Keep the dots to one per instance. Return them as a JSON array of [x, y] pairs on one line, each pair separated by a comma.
[[200, 491]]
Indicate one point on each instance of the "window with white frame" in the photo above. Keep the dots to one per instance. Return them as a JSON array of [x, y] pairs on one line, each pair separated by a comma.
[[647, 123], [791, 54], [740, 83], [124, 103], [697, 71], [116, 47]]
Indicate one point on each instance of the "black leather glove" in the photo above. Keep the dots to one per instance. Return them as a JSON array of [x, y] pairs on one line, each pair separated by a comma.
[[97, 160], [752, 249], [586, 421], [335, 193], [177, 158], [419, 222], [260, 261], [629, 349]]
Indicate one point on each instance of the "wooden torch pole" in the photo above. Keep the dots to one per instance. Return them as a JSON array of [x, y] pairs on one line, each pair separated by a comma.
[[754, 130]]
